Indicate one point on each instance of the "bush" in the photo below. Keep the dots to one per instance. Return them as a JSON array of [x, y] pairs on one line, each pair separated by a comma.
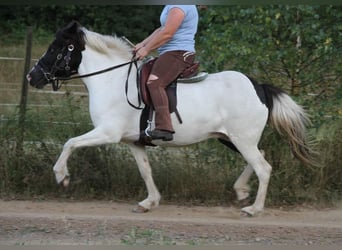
[[202, 173]]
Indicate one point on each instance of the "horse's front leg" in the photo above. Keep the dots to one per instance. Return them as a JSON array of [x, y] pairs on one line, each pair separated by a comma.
[[94, 137], [153, 197]]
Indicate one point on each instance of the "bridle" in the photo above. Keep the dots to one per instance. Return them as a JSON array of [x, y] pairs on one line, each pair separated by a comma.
[[62, 63]]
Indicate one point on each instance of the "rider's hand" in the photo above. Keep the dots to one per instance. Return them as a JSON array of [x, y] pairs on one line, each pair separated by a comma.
[[138, 46], [140, 51]]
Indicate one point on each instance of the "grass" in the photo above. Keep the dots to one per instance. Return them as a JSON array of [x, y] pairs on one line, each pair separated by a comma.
[[138, 236]]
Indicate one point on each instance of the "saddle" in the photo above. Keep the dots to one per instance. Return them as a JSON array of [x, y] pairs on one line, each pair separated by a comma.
[[144, 73], [189, 75]]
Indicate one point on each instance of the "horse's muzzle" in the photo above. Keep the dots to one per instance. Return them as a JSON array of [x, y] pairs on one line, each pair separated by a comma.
[[36, 77]]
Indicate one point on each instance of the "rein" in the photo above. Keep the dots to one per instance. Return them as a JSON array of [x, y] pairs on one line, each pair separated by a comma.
[[56, 85], [93, 73]]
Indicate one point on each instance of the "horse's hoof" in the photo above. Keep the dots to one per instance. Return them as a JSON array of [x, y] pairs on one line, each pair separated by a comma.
[[245, 214], [250, 211], [140, 210], [247, 211], [66, 181]]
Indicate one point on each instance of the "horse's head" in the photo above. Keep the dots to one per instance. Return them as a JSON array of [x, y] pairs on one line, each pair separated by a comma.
[[62, 58]]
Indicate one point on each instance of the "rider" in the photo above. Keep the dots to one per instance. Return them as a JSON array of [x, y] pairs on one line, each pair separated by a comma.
[[175, 42]]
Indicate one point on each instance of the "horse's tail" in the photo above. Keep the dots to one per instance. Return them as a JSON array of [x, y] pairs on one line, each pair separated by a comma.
[[289, 118]]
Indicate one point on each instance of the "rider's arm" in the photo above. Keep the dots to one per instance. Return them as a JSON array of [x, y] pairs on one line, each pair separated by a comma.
[[144, 42], [162, 34]]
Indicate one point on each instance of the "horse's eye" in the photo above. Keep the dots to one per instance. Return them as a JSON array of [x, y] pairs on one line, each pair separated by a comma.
[[52, 50]]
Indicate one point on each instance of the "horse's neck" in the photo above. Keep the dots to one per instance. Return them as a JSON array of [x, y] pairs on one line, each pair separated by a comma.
[[110, 81], [107, 90]]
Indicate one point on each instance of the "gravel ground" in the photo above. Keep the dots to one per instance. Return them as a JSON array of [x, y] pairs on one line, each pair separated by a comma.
[[111, 223]]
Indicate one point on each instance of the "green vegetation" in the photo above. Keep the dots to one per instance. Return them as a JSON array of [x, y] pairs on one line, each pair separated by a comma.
[[297, 48]]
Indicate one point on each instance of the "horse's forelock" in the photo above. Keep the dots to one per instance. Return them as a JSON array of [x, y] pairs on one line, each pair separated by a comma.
[[74, 35], [80, 39]]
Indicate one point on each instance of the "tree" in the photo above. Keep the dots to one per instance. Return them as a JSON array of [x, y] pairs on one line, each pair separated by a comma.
[[135, 22], [297, 47]]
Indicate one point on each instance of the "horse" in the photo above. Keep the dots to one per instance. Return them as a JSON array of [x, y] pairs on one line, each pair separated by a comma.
[[227, 105]]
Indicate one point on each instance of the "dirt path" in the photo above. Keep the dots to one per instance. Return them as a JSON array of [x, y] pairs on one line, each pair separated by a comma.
[[107, 223]]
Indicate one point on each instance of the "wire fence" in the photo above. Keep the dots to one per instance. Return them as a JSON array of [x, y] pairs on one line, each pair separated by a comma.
[[37, 100]]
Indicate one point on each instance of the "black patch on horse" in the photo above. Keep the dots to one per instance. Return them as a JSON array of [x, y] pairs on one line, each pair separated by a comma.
[[229, 144], [266, 92]]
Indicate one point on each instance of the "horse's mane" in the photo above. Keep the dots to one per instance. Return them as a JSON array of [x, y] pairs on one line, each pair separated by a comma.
[[106, 44]]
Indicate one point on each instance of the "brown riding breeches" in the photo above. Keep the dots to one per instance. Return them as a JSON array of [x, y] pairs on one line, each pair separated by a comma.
[[166, 69]]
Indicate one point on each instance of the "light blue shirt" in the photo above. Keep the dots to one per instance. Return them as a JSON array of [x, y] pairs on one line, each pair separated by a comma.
[[184, 38]]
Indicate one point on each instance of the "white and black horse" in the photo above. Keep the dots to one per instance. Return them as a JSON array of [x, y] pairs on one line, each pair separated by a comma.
[[226, 105]]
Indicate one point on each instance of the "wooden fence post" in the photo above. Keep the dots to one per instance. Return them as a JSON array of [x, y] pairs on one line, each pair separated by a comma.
[[24, 89]]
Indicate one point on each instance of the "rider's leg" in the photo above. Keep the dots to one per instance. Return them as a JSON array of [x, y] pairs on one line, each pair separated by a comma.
[[161, 104], [166, 69]]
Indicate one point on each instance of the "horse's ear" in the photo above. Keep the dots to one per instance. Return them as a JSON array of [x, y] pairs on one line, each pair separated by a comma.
[[72, 27]]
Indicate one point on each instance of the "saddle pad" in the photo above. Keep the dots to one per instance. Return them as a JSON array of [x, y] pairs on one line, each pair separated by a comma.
[[197, 78]]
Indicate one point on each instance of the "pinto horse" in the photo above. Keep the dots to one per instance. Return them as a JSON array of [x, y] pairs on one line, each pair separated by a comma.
[[227, 105]]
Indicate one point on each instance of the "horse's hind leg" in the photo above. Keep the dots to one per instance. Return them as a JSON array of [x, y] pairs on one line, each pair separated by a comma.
[[153, 197], [262, 168], [241, 186]]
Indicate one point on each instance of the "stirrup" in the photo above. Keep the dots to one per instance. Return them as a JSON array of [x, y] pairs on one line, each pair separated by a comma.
[[160, 135], [148, 128]]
